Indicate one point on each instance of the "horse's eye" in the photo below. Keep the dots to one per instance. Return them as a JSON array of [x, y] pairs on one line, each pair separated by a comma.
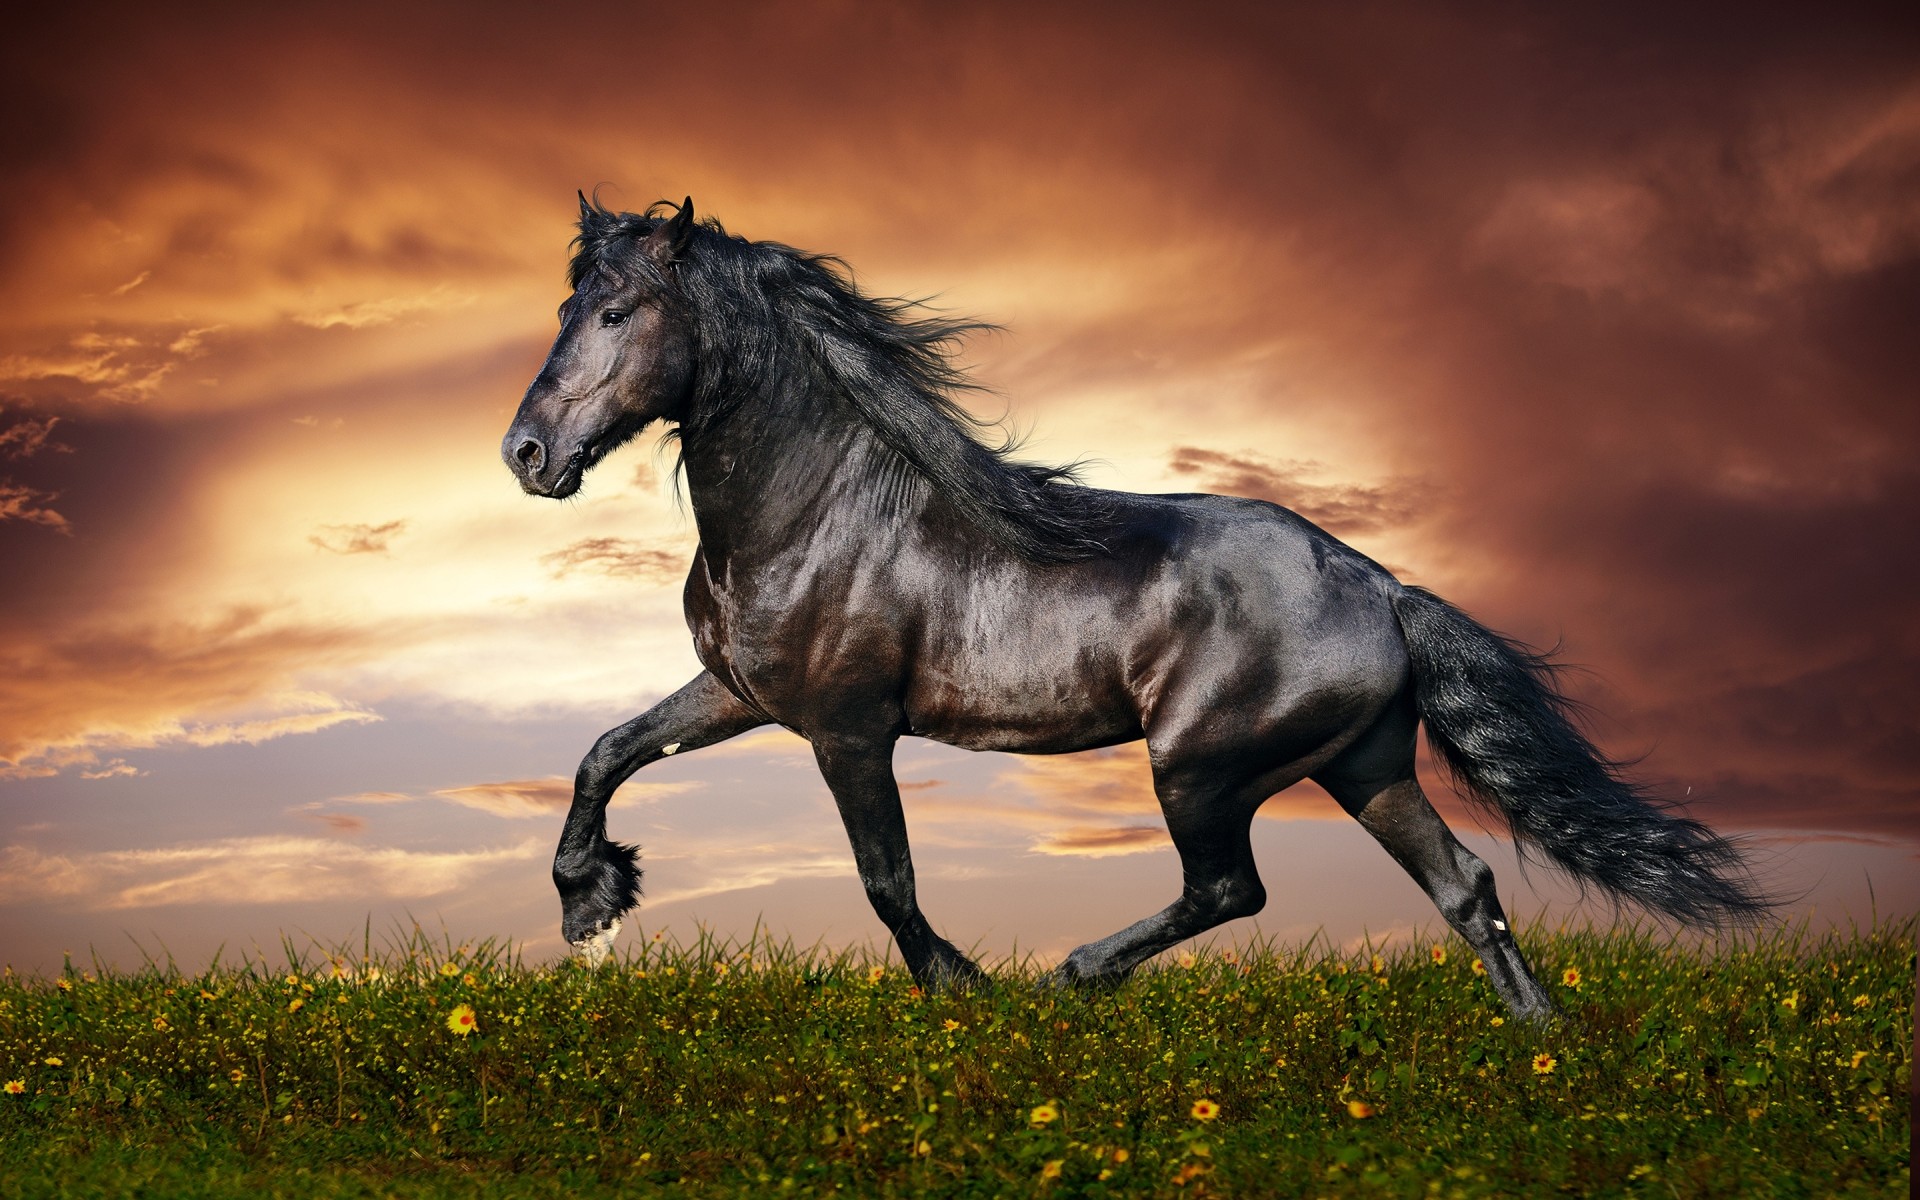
[[613, 316]]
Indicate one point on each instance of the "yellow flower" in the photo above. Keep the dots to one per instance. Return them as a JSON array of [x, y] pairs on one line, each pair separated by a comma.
[[1861, 1001], [1044, 1114], [1122, 1154], [65, 985], [16, 1086], [53, 1060], [1499, 1020], [1359, 1110], [1205, 1110], [160, 1023], [1479, 968], [460, 1020], [1859, 1056], [1439, 956], [449, 969], [1791, 1002], [876, 973], [237, 1075], [296, 1004], [1052, 1169], [951, 1024], [719, 968], [1571, 977], [1378, 966], [1543, 1064], [924, 1148]]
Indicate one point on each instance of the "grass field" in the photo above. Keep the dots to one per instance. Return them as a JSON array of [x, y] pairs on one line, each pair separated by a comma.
[[1776, 1067]]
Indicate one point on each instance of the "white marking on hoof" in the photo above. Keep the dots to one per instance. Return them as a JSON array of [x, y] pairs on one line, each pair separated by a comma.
[[670, 748], [1500, 925], [595, 947]]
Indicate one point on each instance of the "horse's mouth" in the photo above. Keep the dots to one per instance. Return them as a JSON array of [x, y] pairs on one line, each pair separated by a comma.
[[575, 470]]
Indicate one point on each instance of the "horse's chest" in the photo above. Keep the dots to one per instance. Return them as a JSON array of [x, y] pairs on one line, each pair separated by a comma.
[[788, 650]]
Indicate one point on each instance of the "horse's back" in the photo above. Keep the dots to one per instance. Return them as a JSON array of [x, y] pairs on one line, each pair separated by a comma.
[[1204, 610]]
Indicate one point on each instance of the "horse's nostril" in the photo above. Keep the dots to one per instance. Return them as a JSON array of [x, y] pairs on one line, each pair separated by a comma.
[[531, 454]]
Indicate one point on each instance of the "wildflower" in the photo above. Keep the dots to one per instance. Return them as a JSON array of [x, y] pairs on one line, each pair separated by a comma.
[[1571, 978], [658, 934], [1205, 1110], [296, 1004], [470, 980], [876, 973], [1479, 968], [1859, 1056], [1791, 1001], [1439, 956], [53, 1060], [720, 969], [1378, 966], [237, 1075], [1052, 1168], [1543, 1064], [449, 969], [1044, 1114], [1862, 1000], [1122, 1154], [951, 1024], [1499, 1020], [160, 1024], [66, 985], [1187, 958], [1229, 957], [206, 995], [1359, 1110], [16, 1086], [924, 1148], [460, 1020]]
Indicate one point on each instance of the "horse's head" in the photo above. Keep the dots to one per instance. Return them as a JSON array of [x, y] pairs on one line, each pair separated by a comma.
[[624, 357]]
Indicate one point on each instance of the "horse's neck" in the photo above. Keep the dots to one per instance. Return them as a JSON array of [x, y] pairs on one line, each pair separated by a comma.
[[778, 467]]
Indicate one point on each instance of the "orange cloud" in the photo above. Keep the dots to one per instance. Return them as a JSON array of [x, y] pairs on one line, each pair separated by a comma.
[[617, 557], [521, 798], [241, 871], [357, 539]]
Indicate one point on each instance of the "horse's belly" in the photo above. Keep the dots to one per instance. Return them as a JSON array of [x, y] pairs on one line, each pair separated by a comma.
[[1024, 713]]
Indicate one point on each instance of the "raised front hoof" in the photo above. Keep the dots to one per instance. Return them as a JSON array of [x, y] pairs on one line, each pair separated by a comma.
[[594, 948]]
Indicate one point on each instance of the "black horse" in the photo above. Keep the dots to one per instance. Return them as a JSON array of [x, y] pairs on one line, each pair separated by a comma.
[[868, 570]]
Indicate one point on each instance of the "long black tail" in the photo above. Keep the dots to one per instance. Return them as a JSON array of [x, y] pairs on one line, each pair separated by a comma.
[[1499, 726]]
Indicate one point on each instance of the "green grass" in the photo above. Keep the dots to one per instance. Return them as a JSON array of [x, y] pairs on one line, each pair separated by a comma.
[[1776, 1067]]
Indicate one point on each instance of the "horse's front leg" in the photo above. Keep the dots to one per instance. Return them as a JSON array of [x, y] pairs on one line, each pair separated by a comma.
[[860, 774], [598, 879]]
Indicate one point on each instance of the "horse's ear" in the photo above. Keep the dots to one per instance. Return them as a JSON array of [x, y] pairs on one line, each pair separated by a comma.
[[587, 214], [668, 241]]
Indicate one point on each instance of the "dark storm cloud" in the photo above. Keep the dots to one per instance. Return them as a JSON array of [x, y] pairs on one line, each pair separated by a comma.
[[1622, 288]]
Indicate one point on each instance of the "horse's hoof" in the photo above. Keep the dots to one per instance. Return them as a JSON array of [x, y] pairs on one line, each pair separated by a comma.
[[595, 947]]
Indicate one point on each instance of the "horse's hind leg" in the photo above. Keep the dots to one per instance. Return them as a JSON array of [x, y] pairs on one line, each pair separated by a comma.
[[1374, 781], [1211, 828]]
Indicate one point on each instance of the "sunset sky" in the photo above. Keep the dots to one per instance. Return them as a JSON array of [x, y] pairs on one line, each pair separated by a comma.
[[1600, 325]]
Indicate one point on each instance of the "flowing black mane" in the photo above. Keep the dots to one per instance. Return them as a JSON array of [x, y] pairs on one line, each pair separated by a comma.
[[763, 311]]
